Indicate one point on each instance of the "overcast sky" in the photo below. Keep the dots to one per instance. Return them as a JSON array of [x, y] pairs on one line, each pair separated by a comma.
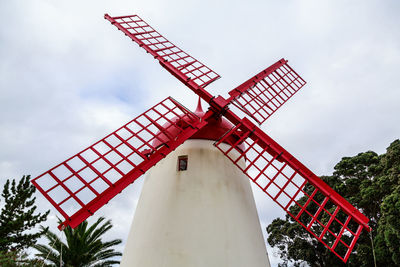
[[68, 78]]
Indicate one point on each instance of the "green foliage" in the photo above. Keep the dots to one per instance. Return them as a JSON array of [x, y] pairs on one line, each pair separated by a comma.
[[83, 247], [18, 217], [389, 184], [370, 182], [14, 259]]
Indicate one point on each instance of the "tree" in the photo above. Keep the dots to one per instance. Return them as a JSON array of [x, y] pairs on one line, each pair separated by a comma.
[[369, 181], [18, 258], [83, 247], [389, 185], [18, 216]]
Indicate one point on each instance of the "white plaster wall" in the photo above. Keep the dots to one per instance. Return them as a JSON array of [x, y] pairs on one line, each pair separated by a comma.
[[202, 217]]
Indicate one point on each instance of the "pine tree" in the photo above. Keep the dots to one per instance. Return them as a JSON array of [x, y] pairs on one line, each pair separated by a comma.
[[18, 217]]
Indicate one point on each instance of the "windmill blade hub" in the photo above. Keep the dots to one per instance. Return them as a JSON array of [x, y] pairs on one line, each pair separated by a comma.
[[216, 127]]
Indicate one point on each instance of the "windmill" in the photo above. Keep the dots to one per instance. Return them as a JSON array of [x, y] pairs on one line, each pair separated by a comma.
[[85, 182]]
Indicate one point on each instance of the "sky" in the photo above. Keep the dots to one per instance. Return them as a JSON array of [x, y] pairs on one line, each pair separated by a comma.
[[68, 78]]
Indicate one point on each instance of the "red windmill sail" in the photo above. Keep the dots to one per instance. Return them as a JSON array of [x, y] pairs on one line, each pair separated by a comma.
[[82, 184], [260, 96], [85, 182], [324, 214]]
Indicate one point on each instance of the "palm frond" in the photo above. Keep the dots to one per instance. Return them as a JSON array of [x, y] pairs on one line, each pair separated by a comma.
[[83, 247]]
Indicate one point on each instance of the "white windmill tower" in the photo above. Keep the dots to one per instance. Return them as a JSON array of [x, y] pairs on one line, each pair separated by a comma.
[[196, 208]]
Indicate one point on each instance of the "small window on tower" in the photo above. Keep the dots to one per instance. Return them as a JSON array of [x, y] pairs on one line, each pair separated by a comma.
[[182, 163]]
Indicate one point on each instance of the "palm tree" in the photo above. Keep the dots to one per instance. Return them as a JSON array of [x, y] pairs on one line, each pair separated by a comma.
[[83, 247]]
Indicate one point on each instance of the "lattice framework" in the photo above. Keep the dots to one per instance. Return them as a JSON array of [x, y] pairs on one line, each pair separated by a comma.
[[163, 50], [306, 198], [81, 184], [266, 92]]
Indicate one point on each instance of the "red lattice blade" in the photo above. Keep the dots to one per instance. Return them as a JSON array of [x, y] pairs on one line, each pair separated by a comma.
[[186, 68], [82, 184], [321, 211], [260, 96]]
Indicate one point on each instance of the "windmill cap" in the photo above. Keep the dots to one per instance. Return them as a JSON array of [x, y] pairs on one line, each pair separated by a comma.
[[214, 130]]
